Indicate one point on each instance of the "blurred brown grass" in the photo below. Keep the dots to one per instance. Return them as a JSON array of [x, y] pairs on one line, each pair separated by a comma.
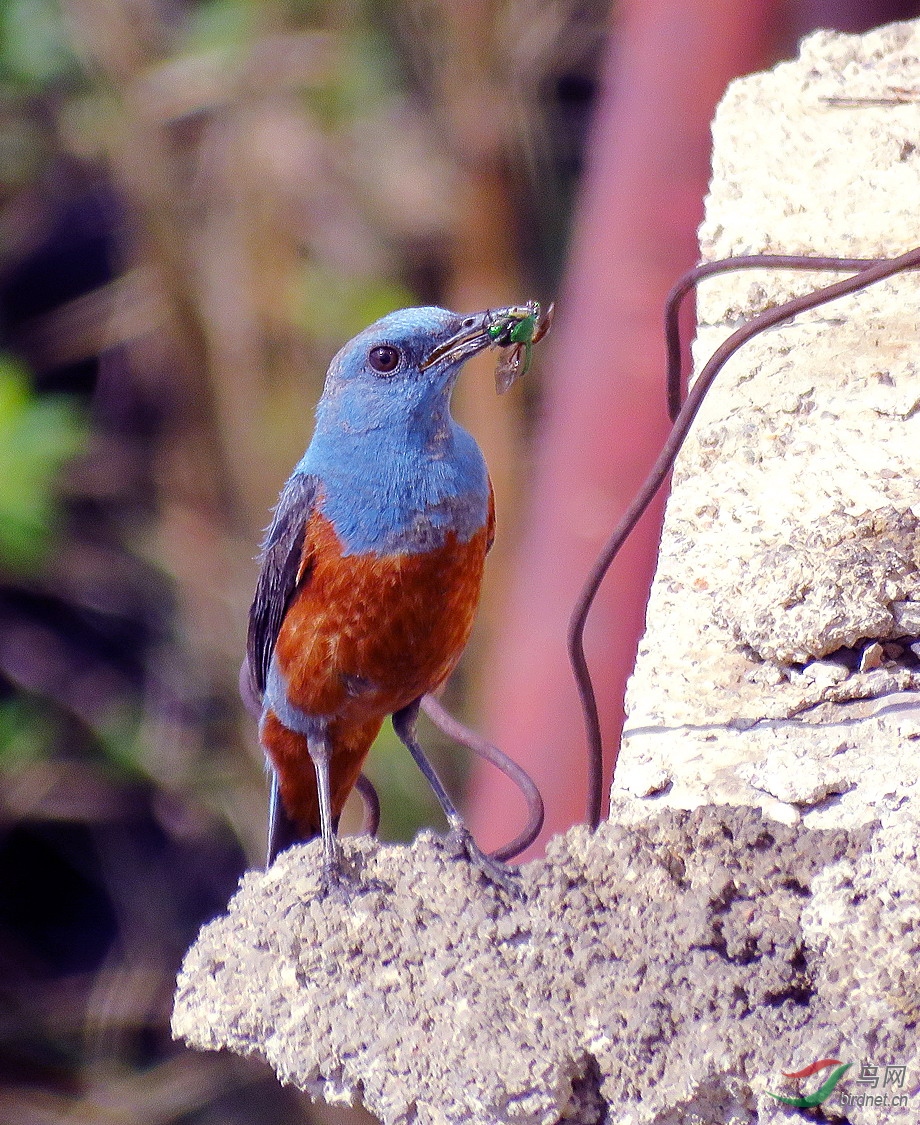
[[199, 202]]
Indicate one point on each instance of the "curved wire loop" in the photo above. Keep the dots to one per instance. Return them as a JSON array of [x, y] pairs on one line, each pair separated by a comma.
[[480, 746], [869, 272], [371, 801], [691, 279]]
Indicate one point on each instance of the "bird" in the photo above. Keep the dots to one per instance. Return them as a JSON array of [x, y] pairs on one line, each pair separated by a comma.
[[370, 573]]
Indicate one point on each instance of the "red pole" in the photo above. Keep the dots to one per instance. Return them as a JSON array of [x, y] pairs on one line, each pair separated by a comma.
[[604, 418]]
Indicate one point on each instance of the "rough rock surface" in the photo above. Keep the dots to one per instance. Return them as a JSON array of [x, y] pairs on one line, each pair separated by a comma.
[[836, 585], [780, 665], [754, 903], [655, 973]]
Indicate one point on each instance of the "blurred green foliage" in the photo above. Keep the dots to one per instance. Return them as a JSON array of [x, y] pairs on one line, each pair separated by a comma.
[[36, 60], [334, 305], [38, 435], [34, 45], [365, 80], [265, 178], [406, 801], [27, 730], [221, 25]]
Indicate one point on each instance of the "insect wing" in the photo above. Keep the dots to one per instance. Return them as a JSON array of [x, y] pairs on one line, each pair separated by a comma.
[[508, 369]]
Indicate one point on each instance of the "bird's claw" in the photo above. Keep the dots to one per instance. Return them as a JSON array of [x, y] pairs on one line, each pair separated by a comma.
[[461, 845], [341, 886]]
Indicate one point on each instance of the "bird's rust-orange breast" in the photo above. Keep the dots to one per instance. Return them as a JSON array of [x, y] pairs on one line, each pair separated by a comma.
[[367, 634], [364, 636]]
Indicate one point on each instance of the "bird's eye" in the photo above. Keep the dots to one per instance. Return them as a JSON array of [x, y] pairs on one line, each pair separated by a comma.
[[384, 359]]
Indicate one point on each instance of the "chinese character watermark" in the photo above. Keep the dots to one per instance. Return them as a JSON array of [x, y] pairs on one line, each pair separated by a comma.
[[882, 1079]]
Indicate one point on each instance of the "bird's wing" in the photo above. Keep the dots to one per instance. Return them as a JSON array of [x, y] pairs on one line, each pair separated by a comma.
[[284, 562]]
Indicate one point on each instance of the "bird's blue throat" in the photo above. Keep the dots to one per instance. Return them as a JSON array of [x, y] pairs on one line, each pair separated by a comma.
[[397, 486]]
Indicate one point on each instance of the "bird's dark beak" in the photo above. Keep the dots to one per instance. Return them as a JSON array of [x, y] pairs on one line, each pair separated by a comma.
[[479, 330], [516, 328], [473, 337]]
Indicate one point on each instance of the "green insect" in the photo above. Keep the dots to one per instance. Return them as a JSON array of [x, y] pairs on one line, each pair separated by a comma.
[[518, 328]]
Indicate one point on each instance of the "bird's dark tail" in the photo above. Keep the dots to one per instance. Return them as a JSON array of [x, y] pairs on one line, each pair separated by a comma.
[[283, 831]]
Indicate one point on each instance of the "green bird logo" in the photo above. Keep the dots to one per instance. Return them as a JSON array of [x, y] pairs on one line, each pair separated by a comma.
[[809, 1101]]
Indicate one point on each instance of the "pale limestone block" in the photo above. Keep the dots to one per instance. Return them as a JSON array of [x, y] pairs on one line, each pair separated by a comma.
[[791, 538]]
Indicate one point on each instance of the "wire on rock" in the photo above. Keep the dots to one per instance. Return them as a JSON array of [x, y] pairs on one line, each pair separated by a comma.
[[869, 272]]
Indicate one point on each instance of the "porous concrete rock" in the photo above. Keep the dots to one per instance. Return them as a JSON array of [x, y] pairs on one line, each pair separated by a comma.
[[846, 581], [780, 667], [656, 973], [777, 667], [754, 902]]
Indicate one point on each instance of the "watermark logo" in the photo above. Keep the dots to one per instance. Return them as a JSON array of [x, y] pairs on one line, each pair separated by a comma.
[[882, 1079], [824, 1091]]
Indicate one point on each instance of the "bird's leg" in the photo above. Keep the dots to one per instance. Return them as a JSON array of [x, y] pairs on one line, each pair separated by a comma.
[[320, 753], [461, 837], [371, 820], [315, 732]]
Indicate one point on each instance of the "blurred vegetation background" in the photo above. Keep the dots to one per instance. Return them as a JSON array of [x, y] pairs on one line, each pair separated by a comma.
[[200, 200]]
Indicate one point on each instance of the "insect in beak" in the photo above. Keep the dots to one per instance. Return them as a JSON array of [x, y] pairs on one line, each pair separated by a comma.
[[517, 327]]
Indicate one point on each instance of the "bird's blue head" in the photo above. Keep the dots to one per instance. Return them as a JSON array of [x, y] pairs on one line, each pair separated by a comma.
[[397, 471], [400, 371]]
